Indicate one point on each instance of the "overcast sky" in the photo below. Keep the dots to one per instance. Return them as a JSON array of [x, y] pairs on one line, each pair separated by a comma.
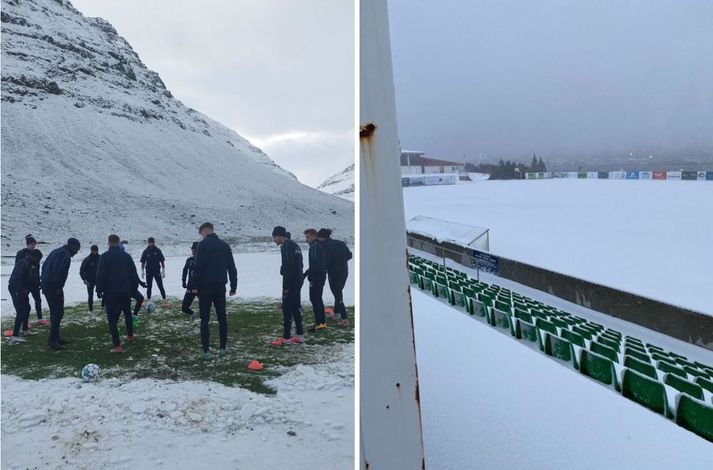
[[506, 78], [279, 72]]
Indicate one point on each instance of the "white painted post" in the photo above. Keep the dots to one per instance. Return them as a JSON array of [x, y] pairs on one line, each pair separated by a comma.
[[390, 431]]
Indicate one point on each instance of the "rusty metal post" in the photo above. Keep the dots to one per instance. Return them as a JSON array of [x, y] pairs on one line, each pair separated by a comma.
[[391, 436]]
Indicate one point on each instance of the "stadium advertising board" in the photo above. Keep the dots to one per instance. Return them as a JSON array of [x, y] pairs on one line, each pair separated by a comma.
[[689, 175], [645, 175], [659, 175], [632, 175], [603, 175], [673, 175], [617, 175], [701, 176], [485, 262]]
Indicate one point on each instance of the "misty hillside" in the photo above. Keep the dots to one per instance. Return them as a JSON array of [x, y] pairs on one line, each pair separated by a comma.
[[341, 184], [93, 142]]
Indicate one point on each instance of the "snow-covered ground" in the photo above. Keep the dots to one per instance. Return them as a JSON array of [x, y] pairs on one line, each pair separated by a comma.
[[258, 279], [154, 424], [651, 238], [149, 424], [488, 401]]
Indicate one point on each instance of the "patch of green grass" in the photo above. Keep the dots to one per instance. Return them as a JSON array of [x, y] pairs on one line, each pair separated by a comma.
[[168, 346]]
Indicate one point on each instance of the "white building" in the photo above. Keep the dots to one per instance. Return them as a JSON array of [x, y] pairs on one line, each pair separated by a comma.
[[414, 163]]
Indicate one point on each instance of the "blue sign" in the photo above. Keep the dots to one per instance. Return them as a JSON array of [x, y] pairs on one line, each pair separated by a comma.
[[632, 175], [709, 175], [485, 262]]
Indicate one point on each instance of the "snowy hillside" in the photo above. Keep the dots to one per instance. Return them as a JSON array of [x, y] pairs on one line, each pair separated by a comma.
[[93, 142], [341, 184]]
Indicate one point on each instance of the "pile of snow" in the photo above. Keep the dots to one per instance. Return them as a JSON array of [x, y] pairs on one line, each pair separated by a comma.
[[515, 408], [94, 143], [148, 424], [341, 184], [649, 239]]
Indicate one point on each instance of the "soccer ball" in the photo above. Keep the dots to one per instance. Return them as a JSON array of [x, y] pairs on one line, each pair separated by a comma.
[[150, 307], [90, 373]]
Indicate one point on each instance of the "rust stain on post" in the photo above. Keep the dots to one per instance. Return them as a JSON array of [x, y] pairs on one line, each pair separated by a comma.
[[367, 130]]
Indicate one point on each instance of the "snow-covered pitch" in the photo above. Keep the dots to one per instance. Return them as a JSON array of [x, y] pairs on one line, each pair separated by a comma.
[[650, 238]]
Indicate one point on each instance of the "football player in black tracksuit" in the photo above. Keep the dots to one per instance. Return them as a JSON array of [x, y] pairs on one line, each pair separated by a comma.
[[152, 261], [213, 266], [52, 279], [19, 287], [317, 276], [116, 280], [337, 270], [292, 279], [88, 273], [186, 278], [34, 285]]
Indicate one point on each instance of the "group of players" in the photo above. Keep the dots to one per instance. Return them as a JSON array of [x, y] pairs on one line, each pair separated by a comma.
[[114, 278]]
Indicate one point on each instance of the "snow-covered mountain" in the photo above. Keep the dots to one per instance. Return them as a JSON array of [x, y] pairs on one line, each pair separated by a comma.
[[93, 143], [341, 184]]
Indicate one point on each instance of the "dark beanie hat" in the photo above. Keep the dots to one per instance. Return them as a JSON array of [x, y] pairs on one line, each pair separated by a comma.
[[152, 240], [29, 239], [194, 246], [279, 231], [94, 248], [324, 233], [73, 242]]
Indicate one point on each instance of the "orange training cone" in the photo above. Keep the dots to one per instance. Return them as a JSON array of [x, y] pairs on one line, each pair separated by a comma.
[[255, 365], [8, 333]]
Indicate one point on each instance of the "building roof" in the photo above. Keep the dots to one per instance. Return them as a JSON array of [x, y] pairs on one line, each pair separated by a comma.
[[419, 160], [445, 231]]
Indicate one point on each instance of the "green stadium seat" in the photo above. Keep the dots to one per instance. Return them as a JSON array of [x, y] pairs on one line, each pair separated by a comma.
[[560, 348], [523, 315], [636, 347], [604, 350], [573, 337], [528, 332], [502, 320], [706, 384], [456, 298], [641, 367], [684, 386], [667, 367], [502, 305], [607, 341], [695, 416], [441, 290], [599, 368], [427, 284], [560, 323], [545, 325], [645, 391], [414, 277], [695, 372], [633, 352], [477, 308], [585, 333], [656, 356]]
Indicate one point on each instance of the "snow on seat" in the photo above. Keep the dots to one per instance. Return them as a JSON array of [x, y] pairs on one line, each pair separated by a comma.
[[645, 391], [684, 386], [599, 368], [695, 416], [641, 367]]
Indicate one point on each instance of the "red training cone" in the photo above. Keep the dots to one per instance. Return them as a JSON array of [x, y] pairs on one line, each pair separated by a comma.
[[8, 333], [255, 365], [329, 310]]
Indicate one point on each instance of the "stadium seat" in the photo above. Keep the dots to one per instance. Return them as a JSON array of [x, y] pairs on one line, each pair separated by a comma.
[[603, 350], [633, 352], [645, 391], [545, 325], [705, 383], [528, 332], [560, 323], [667, 367], [641, 367], [441, 290], [560, 348], [414, 277], [695, 372], [523, 315], [585, 333], [502, 319], [608, 342], [573, 337], [695, 416], [477, 308], [598, 367], [683, 386]]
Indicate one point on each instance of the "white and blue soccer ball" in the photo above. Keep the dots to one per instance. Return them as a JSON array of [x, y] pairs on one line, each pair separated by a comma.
[[91, 373], [150, 307]]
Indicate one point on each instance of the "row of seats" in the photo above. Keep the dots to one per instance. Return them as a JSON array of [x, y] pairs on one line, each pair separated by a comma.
[[641, 371]]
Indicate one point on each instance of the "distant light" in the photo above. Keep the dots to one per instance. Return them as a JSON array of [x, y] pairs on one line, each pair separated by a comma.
[[651, 156]]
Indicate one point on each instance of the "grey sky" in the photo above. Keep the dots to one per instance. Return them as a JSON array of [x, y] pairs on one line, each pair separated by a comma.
[[559, 78], [279, 72]]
